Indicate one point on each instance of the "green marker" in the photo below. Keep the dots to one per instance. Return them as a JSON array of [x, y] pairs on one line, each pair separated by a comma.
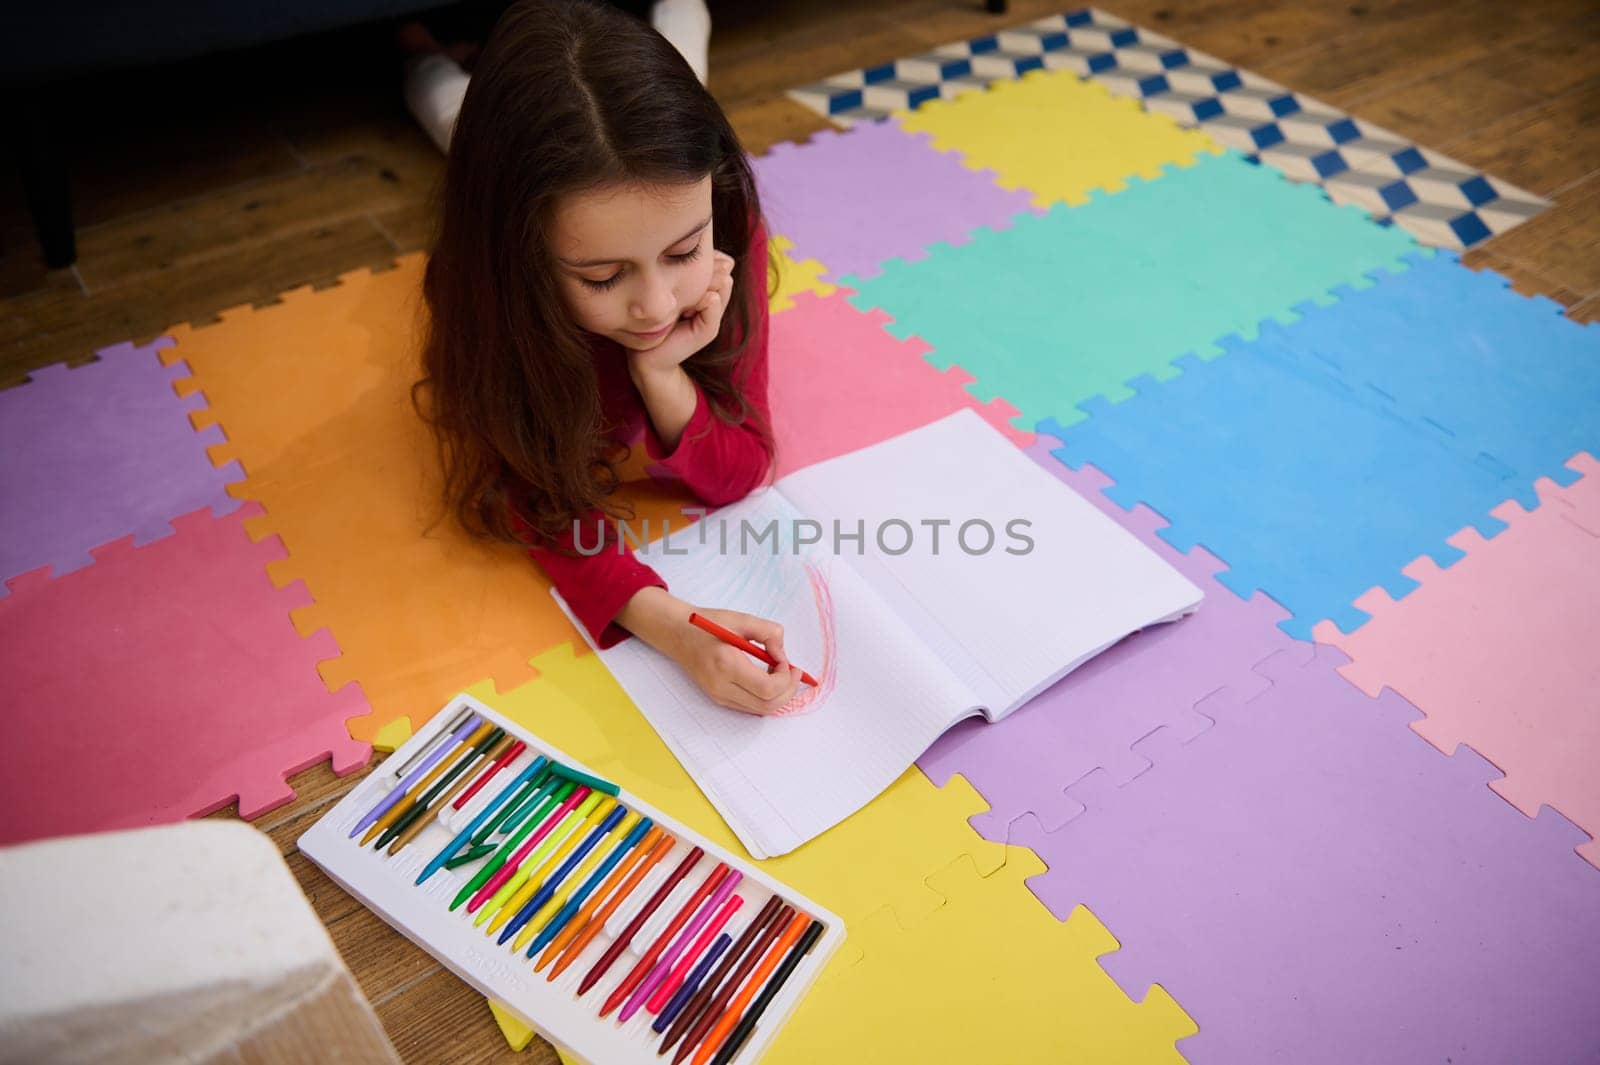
[[492, 866], [584, 778]]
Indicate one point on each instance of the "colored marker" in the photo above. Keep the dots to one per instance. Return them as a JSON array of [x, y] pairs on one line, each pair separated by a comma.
[[657, 975], [697, 1003], [735, 1007], [446, 855], [421, 817], [532, 793], [621, 943], [641, 969], [483, 778], [594, 872], [521, 913], [733, 639], [552, 828], [666, 989], [580, 777], [530, 873], [711, 1009], [398, 792], [747, 1023], [581, 929], [470, 855], [691, 985], [489, 741], [506, 847], [407, 801]]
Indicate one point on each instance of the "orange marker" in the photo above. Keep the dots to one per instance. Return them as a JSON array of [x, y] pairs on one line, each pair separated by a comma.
[[736, 1008], [598, 921], [733, 639]]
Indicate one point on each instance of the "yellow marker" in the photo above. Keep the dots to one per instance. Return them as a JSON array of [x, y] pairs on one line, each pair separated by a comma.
[[579, 876], [569, 828]]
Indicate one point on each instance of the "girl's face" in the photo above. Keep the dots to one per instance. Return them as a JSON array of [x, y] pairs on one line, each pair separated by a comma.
[[633, 259]]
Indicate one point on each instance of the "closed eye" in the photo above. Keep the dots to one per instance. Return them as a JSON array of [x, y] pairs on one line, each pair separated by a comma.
[[600, 286]]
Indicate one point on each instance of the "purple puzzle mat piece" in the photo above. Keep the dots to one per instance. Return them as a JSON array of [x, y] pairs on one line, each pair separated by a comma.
[[91, 454], [1092, 717], [855, 199], [1315, 883]]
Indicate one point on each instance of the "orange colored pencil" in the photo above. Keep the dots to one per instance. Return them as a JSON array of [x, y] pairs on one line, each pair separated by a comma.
[[598, 921], [769, 961]]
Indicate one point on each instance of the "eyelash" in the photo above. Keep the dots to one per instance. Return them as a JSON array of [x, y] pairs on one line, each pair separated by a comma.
[[601, 286]]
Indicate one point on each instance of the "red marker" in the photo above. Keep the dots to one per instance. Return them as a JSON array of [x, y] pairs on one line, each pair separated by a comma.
[[622, 941], [500, 763], [651, 956], [733, 639]]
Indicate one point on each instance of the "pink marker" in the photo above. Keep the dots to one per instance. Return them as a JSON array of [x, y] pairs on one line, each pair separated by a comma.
[[658, 975], [508, 870], [670, 985]]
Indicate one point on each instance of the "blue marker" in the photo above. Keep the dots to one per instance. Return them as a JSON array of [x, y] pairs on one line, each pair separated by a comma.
[[548, 888], [681, 997], [574, 904], [477, 822]]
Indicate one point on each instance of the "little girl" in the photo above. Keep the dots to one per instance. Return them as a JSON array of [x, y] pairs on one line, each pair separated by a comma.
[[599, 275]]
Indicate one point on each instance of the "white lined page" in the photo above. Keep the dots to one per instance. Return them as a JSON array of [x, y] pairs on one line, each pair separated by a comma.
[[1024, 620]]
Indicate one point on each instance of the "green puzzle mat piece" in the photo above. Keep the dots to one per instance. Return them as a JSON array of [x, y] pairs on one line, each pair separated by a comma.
[[1072, 304]]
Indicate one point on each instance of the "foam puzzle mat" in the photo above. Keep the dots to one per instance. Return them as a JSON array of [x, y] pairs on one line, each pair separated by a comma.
[[1442, 201], [1347, 811]]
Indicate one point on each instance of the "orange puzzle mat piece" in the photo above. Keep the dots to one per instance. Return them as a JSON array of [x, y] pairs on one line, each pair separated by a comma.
[[313, 395]]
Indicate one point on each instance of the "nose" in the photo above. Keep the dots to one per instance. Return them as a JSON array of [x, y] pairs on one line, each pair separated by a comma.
[[654, 301]]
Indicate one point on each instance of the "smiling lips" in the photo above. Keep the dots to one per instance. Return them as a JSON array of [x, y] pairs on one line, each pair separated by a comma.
[[654, 333]]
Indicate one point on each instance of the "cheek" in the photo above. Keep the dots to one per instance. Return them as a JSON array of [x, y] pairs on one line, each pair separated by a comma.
[[590, 310]]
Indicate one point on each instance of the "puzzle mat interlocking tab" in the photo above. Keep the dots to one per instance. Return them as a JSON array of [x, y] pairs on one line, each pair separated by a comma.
[[1316, 884], [853, 199], [839, 382], [1440, 200], [928, 904], [1092, 718], [794, 275], [1072, 304], [95, 453], [161, 682], [1500, 650], [1325, 455], [313, 394]]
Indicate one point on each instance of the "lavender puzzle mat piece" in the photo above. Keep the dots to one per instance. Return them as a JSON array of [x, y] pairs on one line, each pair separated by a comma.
[[1091, 718], [1315, 883], [855, 199], [91, 454]]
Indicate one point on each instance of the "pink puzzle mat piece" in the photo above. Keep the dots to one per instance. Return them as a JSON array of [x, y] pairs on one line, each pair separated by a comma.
[[160, 683], [839, 382], [1501, 650], [91, 453]]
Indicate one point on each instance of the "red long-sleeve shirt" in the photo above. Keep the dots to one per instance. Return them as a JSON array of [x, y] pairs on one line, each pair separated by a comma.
[[718, 462]]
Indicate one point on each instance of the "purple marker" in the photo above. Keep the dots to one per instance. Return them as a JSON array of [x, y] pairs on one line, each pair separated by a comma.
[[433, 759], [664, 966], [691, 985]]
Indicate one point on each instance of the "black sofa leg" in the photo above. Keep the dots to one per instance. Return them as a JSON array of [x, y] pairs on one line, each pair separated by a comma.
[[44, 182], [996, 7]]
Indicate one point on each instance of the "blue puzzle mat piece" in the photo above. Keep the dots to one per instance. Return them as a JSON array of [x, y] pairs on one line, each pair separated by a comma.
[[1308, 491], [1506, 380], [1074, 303]]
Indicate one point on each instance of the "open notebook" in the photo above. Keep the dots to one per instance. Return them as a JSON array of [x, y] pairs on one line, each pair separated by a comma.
[[909, 627]]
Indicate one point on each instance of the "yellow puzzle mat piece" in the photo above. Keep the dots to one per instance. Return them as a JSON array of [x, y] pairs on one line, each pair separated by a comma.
[[313, 394], [1056, 135], [795, 276], [984, 969]]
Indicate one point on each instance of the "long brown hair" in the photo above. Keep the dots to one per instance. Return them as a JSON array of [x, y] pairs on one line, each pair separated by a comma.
[[567, 96]]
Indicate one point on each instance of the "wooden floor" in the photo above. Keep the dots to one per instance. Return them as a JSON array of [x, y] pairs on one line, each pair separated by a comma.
[[216, 183]]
